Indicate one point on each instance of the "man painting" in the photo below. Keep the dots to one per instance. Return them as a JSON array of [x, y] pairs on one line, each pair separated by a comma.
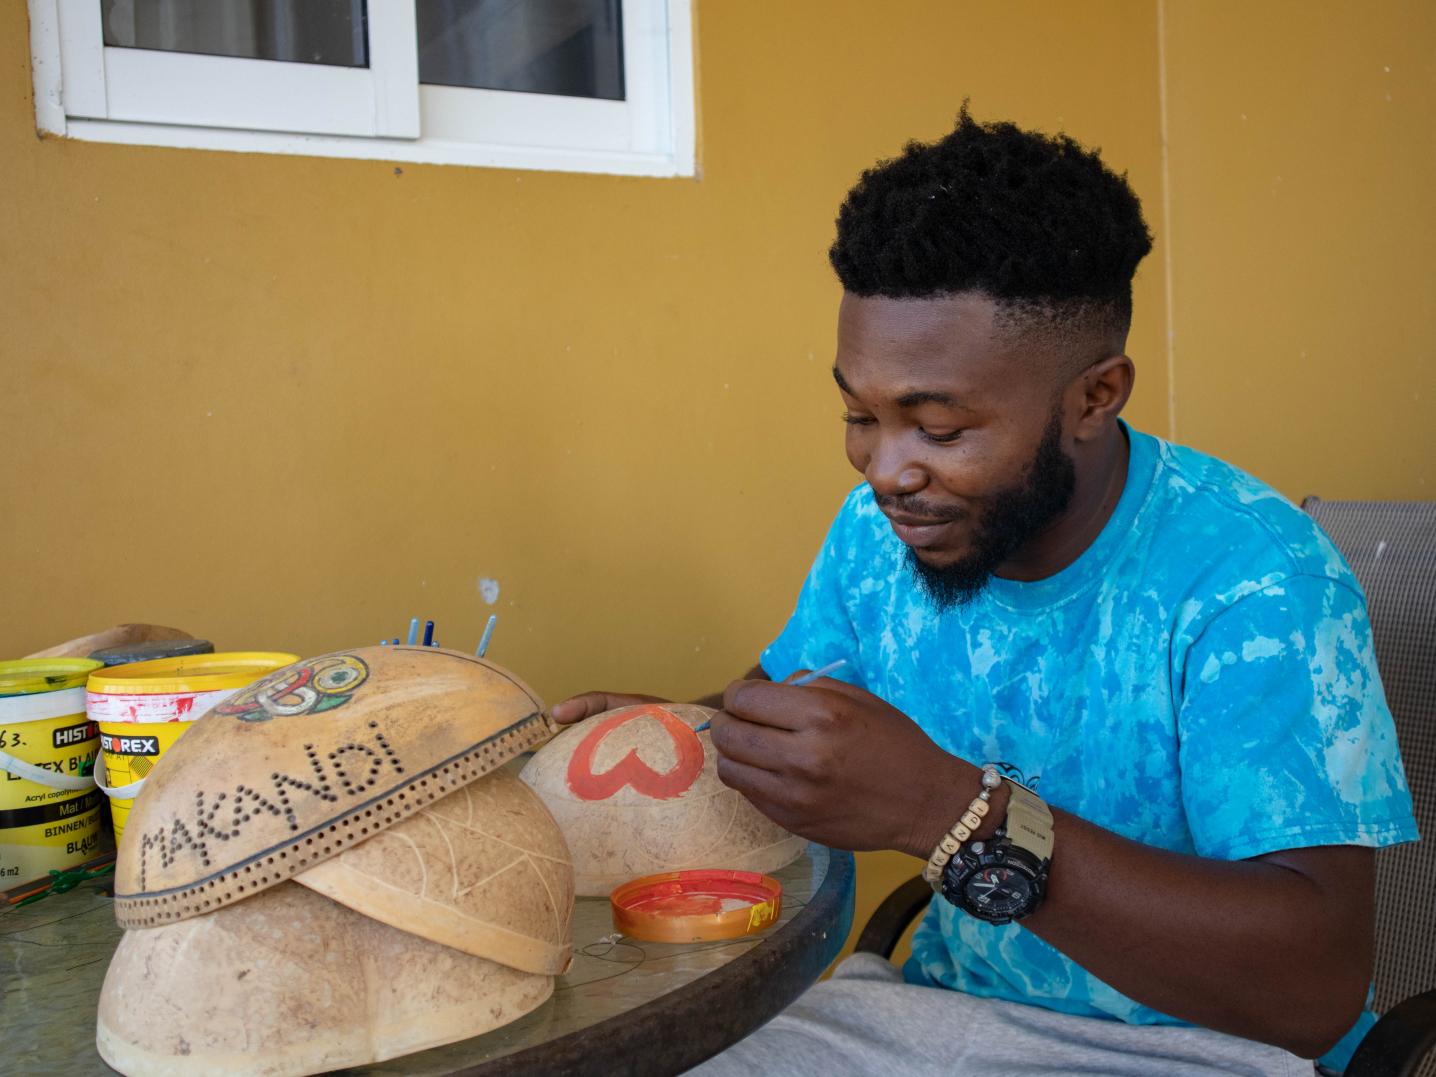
[[1156, 645]]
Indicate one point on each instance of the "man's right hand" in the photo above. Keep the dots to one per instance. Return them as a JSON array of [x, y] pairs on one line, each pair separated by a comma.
[[577, 708]]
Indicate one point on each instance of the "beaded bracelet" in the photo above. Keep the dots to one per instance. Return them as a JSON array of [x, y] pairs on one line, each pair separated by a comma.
[[961, 830]]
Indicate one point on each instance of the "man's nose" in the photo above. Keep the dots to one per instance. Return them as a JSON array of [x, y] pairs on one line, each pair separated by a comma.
[[892, 471]]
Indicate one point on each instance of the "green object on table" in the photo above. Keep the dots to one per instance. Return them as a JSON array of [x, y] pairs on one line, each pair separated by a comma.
[[61, 881]]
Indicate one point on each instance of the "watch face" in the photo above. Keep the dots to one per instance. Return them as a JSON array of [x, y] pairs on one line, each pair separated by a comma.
[[998, 892]]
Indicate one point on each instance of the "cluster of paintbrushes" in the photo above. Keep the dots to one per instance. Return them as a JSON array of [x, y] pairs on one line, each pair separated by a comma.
[[430, 641]]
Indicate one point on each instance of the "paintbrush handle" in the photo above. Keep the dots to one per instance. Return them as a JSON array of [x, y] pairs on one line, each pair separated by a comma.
[[806, 678], [488, 635], [809, 678]]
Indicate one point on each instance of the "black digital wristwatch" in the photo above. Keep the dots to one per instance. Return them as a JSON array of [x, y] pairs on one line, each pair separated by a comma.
[[1004, 878]]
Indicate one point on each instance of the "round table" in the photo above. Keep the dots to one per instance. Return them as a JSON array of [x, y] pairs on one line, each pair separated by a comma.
[[615, 1011]]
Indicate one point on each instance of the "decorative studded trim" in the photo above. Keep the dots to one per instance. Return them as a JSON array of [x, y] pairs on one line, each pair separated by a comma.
[[285, 860]]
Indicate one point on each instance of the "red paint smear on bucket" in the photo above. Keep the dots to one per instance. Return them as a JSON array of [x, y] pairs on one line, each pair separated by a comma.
[[631, 770]]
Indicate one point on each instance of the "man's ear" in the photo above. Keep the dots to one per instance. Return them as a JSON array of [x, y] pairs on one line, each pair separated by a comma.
[[1098, 395]]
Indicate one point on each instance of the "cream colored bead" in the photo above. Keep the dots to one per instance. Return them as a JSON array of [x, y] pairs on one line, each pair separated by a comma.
[[963, 829]]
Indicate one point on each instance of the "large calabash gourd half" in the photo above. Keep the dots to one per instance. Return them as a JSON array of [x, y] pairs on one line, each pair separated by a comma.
[[439, 912], [289, 982], [636, 792]]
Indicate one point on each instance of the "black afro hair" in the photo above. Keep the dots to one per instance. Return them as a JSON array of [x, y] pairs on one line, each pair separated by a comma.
[[1037, 222]]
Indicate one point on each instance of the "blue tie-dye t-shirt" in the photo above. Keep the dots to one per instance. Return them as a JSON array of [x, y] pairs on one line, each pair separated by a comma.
[[1200, 679]]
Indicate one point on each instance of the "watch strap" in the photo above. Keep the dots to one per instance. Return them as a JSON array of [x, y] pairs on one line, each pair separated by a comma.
[[1029, 821]]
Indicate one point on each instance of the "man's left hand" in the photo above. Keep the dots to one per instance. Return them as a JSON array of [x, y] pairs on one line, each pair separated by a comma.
[[839, 766]]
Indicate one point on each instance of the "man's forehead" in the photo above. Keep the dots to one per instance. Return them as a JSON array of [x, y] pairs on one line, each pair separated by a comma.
[[946, 344], [929, 319]]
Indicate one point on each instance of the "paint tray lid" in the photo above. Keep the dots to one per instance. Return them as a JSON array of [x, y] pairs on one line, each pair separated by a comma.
[[126, 653], [27, 676], [696, 906], [312, 760]]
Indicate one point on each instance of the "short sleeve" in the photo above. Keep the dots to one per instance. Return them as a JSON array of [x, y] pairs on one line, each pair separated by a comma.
[[820, 629], [1286, 739]]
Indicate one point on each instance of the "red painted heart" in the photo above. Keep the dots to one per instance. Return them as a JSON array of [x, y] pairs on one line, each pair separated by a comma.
[[631, 770]]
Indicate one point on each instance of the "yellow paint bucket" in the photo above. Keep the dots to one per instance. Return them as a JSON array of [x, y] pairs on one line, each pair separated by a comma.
[[29, 676], [49, 806], [142, 708]]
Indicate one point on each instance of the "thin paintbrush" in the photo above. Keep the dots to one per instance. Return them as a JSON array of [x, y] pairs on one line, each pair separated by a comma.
[[488, 635], [806, 678]]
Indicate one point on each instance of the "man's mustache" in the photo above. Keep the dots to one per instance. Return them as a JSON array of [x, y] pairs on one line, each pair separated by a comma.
[[912, 505]]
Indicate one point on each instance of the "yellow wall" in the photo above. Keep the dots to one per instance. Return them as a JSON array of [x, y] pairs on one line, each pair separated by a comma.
[[286, 402], [1302, 168]]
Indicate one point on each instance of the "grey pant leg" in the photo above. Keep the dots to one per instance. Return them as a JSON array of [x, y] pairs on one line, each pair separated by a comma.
[[866, 1022]]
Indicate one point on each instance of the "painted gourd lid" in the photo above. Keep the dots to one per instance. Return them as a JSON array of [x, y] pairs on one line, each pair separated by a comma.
[[307, 762], [636, 792]]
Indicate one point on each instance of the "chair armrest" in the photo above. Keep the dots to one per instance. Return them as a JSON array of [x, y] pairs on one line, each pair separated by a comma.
[[1399, 1041], [898, 910]]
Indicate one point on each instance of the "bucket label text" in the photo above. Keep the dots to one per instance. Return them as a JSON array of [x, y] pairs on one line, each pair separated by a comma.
[[75, 734], [129, 745]]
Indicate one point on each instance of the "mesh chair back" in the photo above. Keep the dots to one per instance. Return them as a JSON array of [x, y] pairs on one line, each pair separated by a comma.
[[1391, 546]]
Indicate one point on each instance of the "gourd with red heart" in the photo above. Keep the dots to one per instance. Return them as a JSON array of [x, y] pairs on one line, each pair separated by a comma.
[[636, 792]]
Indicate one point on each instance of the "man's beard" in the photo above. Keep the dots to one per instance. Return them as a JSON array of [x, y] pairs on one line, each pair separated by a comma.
[[1012, 519]]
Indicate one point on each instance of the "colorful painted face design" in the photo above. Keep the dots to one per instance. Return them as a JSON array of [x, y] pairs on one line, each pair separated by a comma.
[[309, 687], [631, 770]]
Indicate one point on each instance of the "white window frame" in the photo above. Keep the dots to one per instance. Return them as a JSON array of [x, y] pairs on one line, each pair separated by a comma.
[[86, 90]]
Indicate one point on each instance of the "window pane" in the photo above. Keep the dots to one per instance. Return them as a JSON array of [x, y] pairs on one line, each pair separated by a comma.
[[298, 31], [568, 47]]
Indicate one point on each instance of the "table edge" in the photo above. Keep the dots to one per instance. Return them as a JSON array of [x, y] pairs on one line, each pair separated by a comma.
[[644, 1037]]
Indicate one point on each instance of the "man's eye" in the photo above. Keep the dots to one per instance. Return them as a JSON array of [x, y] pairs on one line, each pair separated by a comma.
[[940, 439], [857, 420]]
